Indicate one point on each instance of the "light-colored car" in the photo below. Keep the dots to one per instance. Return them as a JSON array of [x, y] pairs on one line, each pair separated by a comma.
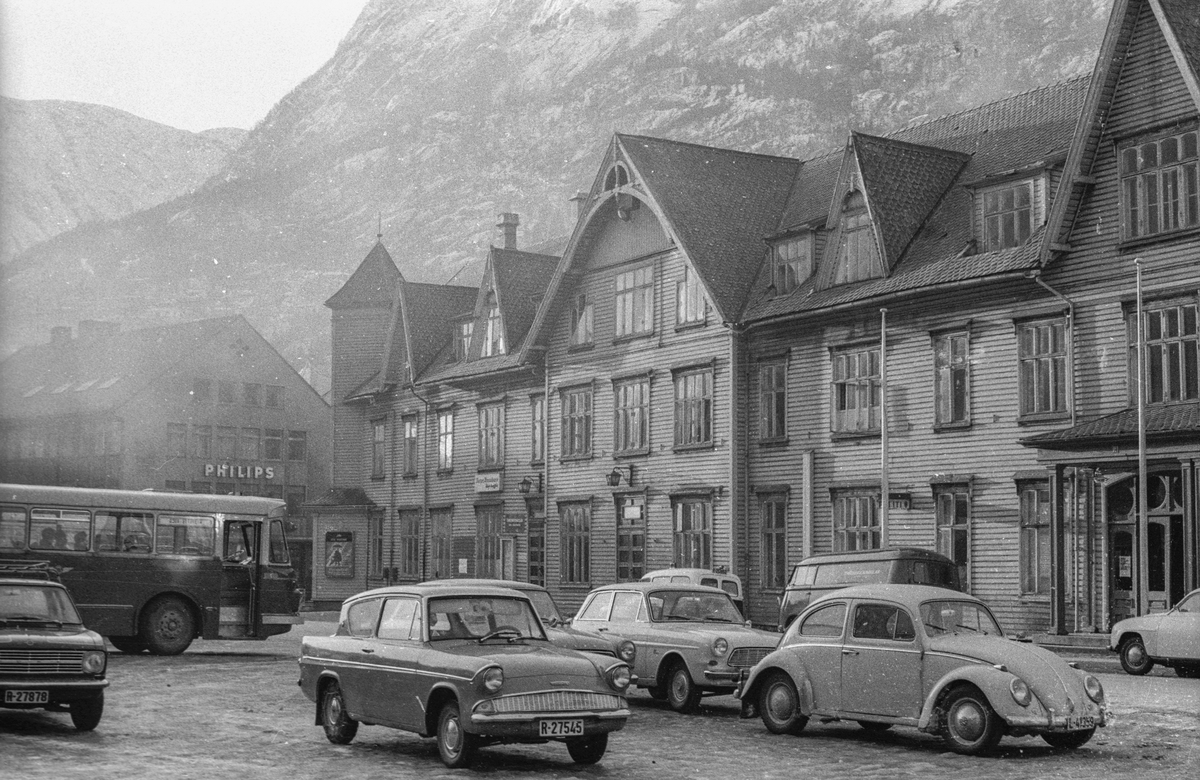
[[691, 639], [470, 666], [1168, 638], [915, 655], [560, 631], [730, 583]]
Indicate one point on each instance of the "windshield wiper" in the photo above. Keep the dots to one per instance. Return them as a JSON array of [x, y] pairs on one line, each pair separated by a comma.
[[31, 619]]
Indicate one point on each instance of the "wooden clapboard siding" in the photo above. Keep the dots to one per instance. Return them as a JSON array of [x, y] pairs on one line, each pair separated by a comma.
[[1150, 91]]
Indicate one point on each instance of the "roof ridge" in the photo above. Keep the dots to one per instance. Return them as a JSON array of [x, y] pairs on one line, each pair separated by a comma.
[[910, 144], [723, 149]]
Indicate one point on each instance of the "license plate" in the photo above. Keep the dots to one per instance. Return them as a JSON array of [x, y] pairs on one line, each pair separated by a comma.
[[560, 728], [27, 697], [1080, 723]]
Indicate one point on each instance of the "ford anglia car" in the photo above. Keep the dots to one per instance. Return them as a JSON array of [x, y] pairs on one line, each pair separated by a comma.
[[469, 665], [1169, 638], [691, 639], [921, 656]]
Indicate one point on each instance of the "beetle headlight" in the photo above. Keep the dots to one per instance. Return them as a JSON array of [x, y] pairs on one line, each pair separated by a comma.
[[627, 651], [94, 662], [493, 679], [1095, 690], [1020, 691], [720, 647], [618, 677]]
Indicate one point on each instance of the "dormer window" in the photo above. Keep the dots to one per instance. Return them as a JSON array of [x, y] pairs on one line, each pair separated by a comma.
[[462, 339], [581, 320], [859, 256], [493, 343], [1160, 191], [791, 262], [1007, 215]]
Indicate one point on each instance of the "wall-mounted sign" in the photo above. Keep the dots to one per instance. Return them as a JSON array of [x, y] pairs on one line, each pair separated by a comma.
[[514, 524], [489, 482], [339, 554], [238, 472], [899, 500]]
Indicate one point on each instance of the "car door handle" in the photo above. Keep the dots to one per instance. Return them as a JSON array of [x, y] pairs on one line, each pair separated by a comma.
[[849, 652]]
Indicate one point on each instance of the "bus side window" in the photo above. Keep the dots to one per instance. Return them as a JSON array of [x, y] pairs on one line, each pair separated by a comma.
[[12, 529], [60, 529]]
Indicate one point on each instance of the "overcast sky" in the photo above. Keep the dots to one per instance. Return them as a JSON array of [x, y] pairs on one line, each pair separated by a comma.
[[191, 64]]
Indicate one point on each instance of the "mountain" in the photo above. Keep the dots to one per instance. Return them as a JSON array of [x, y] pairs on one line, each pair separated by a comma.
[[65, 164], [433, 116]]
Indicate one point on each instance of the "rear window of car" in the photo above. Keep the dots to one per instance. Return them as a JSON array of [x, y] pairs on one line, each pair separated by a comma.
[[826, 621]]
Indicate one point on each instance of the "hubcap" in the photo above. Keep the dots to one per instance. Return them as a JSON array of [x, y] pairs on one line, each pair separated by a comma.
[[780, 702], [453, 735], [334, 707], [679, 686], [1136, 655], [967, 720]]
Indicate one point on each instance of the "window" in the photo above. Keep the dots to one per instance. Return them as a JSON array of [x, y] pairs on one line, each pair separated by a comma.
[[375, 543], [1172, 352], [537, 413], [791, 263], [1035, 536], [491, 435], [537, 551], [489, 523], [176, 440], [856, 391], [690, 303], [1159, 190], [859, 257], [953, 525], [635, 302], [693, 532], [252, 394], [250, 443], [297, 445], [827, 621], [202, 391], [693, 407], [445, 421], [576, 524], [409, 533], [1042, 359], [273, 398], [272, 444], [462, 339], [631, 409], [202, 439], [855, 521], [952, 375], [1007, 216], [773, 516], [883, 621], [577, 422], [226, 442], [362, 618], [130, 532], [225, 392], [409, 453], [581, 320], [493, 343], [772, 400], [440, 541], [401, 619], [378, 440], [62, 529], [631, 538]]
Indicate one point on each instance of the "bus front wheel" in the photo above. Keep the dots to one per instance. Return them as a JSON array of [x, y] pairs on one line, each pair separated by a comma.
[[168, 626]]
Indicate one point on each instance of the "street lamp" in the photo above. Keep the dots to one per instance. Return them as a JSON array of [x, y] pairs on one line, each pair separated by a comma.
[[525, 486], [613, 478]]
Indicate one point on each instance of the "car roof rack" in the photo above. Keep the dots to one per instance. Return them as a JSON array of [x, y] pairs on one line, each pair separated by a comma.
[[29, 569]]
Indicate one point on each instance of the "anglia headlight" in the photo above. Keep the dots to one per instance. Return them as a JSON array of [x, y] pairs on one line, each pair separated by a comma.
[[1095, 690], [1020, 691], [94, 662], [627, 651], [618, 677], [493, 679], [720, 647]]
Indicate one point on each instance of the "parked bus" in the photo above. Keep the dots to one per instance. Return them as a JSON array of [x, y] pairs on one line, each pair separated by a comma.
[[153, 571]]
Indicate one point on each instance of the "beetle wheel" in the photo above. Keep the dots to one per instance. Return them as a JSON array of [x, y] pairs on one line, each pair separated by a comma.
[[86, 713], [682, 692], [779, 704], [455, 746], [587, 750], [1134, 658], [1068, 739], [969, 724], [340, 728]]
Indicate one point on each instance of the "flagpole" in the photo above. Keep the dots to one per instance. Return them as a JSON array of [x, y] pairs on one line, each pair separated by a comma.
[[1143, 524], [883, 431]]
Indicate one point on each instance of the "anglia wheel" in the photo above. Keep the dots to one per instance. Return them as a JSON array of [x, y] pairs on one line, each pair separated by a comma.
[[969, 724], [455, 746], [1068, 739], [682, 693], [1134, 658], [86, 713], [587, 750], [779, 704], [167, 627], [340, 728]]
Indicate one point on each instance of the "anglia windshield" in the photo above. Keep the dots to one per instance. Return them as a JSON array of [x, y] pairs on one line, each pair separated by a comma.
[[958, 617], [696, 605], [479, 617], [36, 603]]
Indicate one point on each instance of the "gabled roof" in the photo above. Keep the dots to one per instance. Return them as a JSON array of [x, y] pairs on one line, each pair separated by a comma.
[[429, 312], [1174, 422], [1182, 28], [372, 284]]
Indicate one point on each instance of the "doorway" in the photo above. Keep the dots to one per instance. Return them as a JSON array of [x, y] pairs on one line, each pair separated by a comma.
[[1165, 545]]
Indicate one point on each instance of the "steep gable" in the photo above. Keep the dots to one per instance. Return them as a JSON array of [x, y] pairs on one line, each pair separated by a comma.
[[521, 279], [424, 327], [373, 283]]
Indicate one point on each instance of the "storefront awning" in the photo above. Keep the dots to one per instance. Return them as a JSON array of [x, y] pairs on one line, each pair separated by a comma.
[[1164, 425]]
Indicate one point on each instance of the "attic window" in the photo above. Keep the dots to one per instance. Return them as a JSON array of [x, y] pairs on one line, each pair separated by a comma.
[[1008, 214], [859, 255], [462, 339], [617, 177], [493, 343], [791, 262], [1160, 185]]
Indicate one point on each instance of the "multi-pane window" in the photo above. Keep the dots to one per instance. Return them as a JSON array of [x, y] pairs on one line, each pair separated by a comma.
[[582, 317], [273, 397], [953, 517], [491, 435], [493, 343], [859, 255], [577, 421], [1172, 353], [690, 304], [297, 445], [250, 443], [409, 533], [772, 400], [1159, 188], [693, 407], [202, 437], [462, 339], [445, 423], [252, 394], [791, 262], [1042, 360], [273, 444], [631, 538], [635, 302], [856, 390], [1035, 536], [631, 411], [375, 543], [441, 539], [225, 392], [176, 440], [537, 428], [773, 514], [576, 525], [952, 375], [692, 537], [409, 452], [489, 522], [226, 442], [855, 521], [378, 441], [1007, 216]]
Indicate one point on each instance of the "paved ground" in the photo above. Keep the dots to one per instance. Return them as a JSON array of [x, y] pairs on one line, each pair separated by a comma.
[[233, 710]]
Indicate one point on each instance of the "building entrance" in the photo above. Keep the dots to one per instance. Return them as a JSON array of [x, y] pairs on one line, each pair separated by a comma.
[[1165, 560]]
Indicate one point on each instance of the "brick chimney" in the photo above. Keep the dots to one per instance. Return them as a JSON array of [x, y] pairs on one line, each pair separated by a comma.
[[60, 335], [508, 229]]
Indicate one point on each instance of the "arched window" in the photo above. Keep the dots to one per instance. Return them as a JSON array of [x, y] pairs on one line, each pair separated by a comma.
[[617, 177]]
